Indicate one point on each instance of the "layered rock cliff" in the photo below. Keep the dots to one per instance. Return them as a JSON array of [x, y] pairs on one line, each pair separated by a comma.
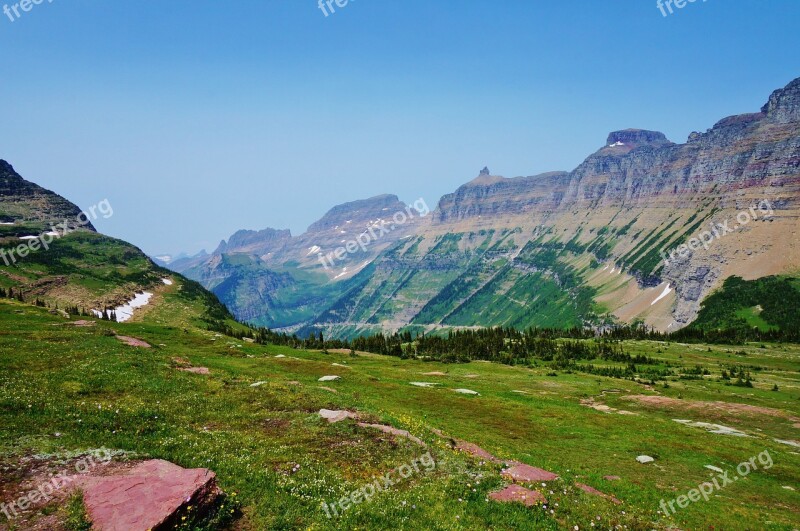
[[584, 247]]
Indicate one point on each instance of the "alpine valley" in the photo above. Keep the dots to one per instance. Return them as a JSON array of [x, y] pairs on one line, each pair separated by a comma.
[[643, 231], [173, 414]]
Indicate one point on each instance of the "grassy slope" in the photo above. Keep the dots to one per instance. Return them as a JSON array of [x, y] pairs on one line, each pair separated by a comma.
[[95, 391], [453, 287], [90, 270]]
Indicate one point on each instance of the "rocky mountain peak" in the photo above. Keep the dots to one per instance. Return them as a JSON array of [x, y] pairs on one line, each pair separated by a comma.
[[784, 104], [485, 171], [636, 137], [6, 167], [357, 213], [24, 201], [243, 240]]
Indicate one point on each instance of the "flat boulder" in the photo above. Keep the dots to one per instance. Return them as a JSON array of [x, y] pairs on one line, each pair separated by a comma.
[[515, 493], [336, 416], [644, 459], [466, 391], [476, 451], [329, 378], [133, 342], [152, 495], [528, 474], [423, 384], [196, 370], [713, 428]]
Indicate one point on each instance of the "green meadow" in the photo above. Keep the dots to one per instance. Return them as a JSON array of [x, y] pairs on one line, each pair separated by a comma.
[[65, 389]]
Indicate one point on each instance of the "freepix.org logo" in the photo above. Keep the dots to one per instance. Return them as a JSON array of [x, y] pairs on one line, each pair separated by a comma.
[[666, 6], [15, 11], [327, 6]]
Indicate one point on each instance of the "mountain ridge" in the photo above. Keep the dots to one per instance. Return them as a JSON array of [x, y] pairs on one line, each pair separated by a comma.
[[622, 209]]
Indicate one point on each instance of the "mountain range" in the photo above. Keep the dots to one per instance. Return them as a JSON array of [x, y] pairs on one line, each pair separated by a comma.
[[596, 245]]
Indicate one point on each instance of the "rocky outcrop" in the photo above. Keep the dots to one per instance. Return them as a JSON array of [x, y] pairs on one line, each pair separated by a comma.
[[784, 104], [493, 196], [22, 201], [637, 137], [256, 242], [357, 213]]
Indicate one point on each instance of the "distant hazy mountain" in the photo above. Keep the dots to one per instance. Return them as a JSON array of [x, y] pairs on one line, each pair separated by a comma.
[[180, 260], [598, 244]]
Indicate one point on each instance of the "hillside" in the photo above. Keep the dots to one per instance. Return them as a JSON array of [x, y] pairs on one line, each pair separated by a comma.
[[73, 268], [593, 246]]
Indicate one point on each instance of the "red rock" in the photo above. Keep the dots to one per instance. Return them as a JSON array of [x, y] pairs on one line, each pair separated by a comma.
[[594, 491], [476, 451], [527, 473], [515, 493], [148, 496], [133, 342]]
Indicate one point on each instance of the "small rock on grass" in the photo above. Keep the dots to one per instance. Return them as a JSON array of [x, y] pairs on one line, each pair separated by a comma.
[[196, 370], [336, 416], [329, 378], [644, 459], [515, 493], [133, 342], [466, 391], [527, 473], [593, 491]]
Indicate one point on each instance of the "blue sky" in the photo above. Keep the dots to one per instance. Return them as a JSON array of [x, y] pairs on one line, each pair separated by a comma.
[[195, 119]]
